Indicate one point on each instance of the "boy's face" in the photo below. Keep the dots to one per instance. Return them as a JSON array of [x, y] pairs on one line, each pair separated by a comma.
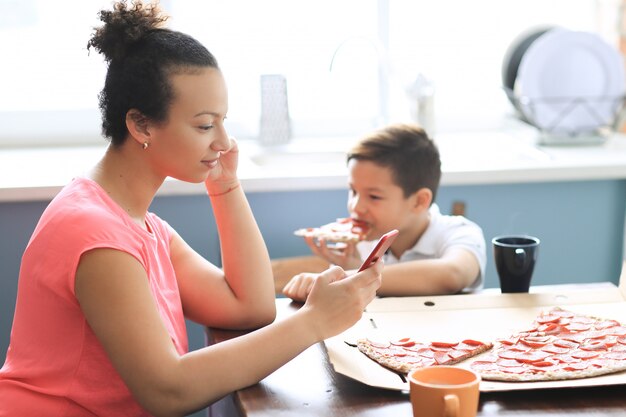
[[377, 200]]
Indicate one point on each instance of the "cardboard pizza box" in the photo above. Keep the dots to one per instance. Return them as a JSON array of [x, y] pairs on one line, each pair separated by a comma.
[[485, 316]]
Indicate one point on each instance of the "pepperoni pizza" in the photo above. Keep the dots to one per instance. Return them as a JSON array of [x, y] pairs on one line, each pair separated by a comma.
[[405, 354], [341, 230], [559, 345]]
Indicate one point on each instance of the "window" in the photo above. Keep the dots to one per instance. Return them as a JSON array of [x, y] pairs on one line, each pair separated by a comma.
[[338, 57]]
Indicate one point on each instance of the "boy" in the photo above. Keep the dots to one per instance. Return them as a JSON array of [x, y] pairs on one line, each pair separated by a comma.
[[393, 177]]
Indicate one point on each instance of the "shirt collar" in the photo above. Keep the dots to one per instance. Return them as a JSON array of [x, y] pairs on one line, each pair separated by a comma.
[[426, 243]]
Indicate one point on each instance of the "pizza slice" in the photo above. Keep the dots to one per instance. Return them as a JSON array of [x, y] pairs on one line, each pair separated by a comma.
[[559, 345], [341, 230], [405, 354]]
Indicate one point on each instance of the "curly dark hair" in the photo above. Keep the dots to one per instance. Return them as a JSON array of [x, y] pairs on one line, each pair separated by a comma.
[[407, 151], [141, 56]]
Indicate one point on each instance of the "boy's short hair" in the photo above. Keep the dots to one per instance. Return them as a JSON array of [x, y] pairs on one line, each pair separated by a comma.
[[407, 151]]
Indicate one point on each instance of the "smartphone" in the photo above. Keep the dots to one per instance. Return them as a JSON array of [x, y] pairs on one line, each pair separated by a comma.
[[379, 250]]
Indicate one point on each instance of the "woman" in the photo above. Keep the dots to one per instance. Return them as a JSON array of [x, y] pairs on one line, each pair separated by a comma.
[[105, 285]]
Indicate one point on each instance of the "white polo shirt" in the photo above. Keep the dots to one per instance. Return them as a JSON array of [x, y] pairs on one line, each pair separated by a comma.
[[442, 234]]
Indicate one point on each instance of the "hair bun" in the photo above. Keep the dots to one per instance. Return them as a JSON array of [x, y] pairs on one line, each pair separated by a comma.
[[124, 26]]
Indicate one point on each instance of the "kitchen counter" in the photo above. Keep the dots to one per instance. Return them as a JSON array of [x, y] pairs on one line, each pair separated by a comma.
[[493, 157]]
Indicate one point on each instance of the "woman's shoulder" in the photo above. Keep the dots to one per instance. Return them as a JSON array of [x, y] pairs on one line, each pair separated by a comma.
[[81, 200], [83, 209]]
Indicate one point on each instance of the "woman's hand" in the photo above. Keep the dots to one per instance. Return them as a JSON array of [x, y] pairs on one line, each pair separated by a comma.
[[346, 257], [337, 301], [224, 175]]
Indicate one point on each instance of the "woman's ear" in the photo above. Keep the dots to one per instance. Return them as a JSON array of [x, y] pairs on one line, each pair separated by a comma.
[[137, 125]]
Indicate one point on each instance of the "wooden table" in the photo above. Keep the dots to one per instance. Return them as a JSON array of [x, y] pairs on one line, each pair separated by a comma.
[[309, 386]]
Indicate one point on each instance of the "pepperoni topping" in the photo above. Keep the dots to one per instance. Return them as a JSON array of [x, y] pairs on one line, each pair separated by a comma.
[[545, 363], [594, 335], [532, 356], [440, 349], [444, 344], [578, 327], [398, 353], [484, 366], [606, 324], [534, 343], [616, 331], [442, 358], [409, 359], [405, 342], [417, 347], [601, 362], [615, 355], [510, 341], [562, 313], [555, 349], [428, 362], [378, 345], [508, 354], [491, 357], [565, 358], [517, 370], [507, 363], [427, 353], [577, 366], [574, 337], [456, 354], [585, 354], [565, 343], [465, 347], [473, 342], [610, 341], [583, 319], [548, 328], [593, 345], [548, 318], [520, 347]]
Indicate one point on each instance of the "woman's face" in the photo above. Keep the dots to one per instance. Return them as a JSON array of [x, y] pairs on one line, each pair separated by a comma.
[[188, 144]]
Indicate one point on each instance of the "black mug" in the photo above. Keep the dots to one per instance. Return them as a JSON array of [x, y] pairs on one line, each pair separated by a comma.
[[515, 258]]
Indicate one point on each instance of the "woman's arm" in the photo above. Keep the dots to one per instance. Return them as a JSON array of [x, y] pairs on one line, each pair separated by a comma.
[[114, 294], [241, 295], [244, 287]]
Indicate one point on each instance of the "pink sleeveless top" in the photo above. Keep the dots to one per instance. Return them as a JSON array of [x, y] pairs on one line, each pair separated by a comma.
[[55, 365]]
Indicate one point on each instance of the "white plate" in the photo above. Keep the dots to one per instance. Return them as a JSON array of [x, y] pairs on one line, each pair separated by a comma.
[[570, 82]]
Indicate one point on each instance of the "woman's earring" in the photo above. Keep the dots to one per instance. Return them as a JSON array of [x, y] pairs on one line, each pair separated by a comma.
[[145, 145]]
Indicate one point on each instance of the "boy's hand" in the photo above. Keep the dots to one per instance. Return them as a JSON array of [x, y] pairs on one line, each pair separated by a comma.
[[346, 257], [299, 287]]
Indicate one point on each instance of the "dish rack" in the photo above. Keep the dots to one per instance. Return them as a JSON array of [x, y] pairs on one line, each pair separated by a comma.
[[554, 133]]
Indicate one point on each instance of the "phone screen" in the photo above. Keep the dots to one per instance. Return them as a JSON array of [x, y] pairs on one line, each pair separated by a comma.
[[379, 250]]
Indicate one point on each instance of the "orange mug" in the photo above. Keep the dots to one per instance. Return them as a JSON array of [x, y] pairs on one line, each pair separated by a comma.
[[444, 391]]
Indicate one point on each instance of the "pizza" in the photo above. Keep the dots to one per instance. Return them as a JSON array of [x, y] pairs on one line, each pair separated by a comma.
[[341, 230], [405, 354], [558, 345]]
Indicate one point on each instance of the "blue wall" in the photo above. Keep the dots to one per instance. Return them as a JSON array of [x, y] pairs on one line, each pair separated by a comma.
[[580, 224]]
